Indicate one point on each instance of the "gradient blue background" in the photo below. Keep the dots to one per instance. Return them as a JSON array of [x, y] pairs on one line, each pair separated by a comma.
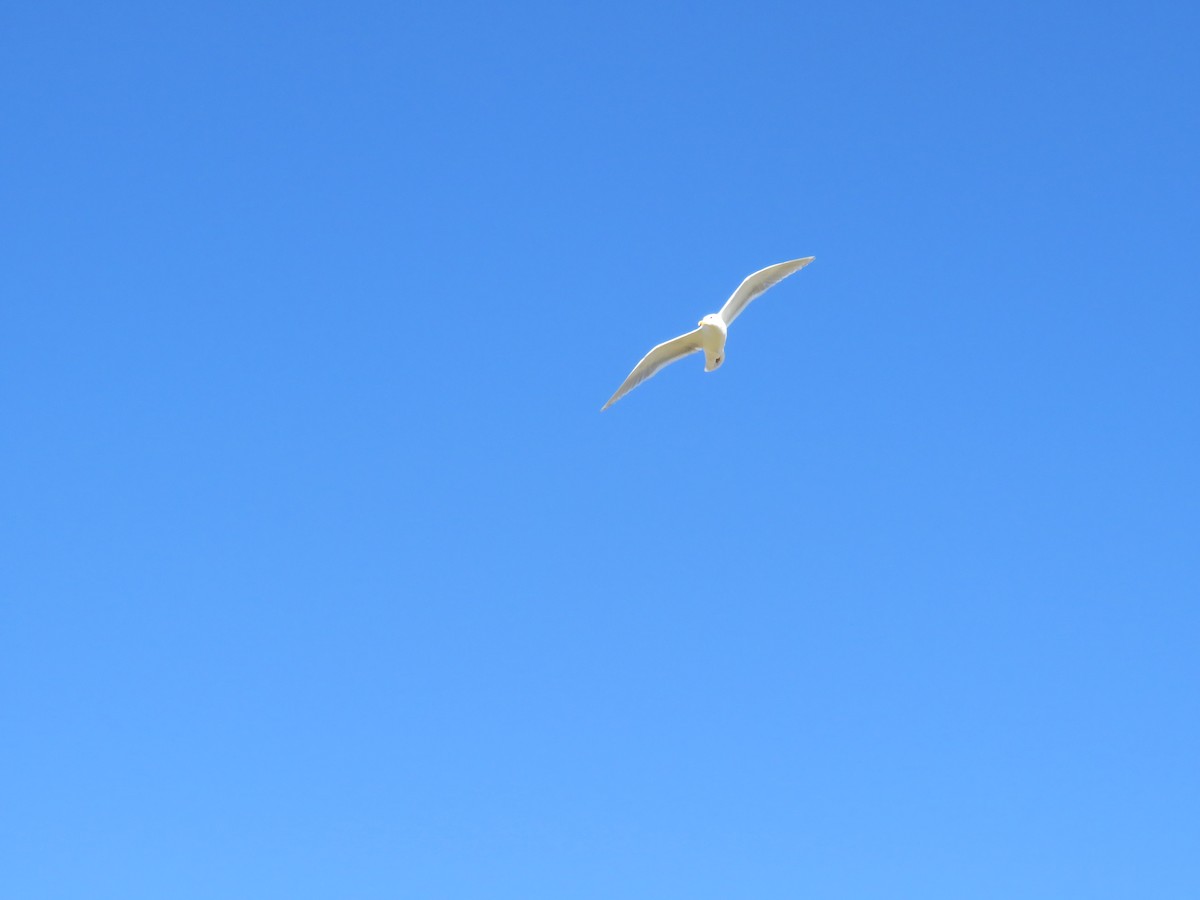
[[323, 576]]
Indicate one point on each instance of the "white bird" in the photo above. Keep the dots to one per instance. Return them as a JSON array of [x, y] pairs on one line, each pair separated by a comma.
[[712, 331]]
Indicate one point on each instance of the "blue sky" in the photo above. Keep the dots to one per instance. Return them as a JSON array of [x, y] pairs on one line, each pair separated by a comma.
[[324, 576]]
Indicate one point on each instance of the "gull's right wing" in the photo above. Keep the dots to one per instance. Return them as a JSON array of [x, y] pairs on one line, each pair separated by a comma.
[[757, 283]]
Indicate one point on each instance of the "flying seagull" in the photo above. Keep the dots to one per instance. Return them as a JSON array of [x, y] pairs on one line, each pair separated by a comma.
[[712, 330]]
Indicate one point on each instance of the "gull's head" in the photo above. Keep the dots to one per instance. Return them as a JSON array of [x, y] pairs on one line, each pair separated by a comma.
[[711, 319]]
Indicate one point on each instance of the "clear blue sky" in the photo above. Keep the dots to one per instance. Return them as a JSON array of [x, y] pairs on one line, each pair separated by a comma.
[[323, 575]]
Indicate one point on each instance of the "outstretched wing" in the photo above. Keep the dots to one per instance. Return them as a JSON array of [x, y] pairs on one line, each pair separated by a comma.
[[757, 283], [661, 356]]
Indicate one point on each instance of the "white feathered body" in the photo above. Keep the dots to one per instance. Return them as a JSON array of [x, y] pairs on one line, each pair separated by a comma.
[[713, 332]]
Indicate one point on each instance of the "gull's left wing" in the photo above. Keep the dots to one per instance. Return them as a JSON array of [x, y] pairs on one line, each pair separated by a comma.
[[658, 358]]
